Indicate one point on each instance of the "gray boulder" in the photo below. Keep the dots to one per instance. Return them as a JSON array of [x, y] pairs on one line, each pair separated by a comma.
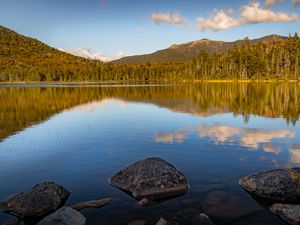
[[280, 185], [151, 178], [39, 201], [289, 213], [64, 216]]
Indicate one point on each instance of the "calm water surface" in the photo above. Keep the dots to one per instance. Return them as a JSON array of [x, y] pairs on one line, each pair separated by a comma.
[[213, 133]]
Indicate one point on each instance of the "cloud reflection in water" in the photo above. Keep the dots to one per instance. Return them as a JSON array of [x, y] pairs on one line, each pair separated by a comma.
[[251, 138], [295, 154]]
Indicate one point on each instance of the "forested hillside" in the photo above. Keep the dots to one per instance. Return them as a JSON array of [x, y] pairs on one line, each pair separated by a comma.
[[24, 58], [279, 59], [27, 59], [187, 51]]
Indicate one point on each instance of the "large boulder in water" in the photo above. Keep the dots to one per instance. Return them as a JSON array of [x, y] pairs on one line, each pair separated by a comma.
[[39, 201], [151, 178], [64, 216], [280, 185], [289, 213]]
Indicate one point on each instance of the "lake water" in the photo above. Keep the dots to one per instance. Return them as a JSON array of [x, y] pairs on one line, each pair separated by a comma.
[[215, 134]]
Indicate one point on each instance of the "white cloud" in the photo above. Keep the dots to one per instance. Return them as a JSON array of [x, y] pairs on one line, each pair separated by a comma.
[[249, 14], [221, 20], [167, 17], [89, 54], [271, 3], [253, 13]]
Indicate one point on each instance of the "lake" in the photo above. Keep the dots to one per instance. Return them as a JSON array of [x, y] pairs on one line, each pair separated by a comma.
[[214, 133]]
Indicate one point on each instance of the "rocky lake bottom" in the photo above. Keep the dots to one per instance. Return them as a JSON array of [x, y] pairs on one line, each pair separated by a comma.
[[214, 134]]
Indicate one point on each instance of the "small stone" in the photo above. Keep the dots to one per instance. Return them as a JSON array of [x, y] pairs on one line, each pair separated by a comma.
[[137, 222], [144, 202], [64, 216], [289, 213], [92, 204], [162, 221], [202, 219], [280, 185], [151, 178], [39, 201]]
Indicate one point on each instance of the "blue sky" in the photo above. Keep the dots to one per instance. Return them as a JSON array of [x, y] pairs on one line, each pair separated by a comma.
[[136, 27]]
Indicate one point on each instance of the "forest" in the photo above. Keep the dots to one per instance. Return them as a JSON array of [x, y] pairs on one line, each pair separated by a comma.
[[24, 59]]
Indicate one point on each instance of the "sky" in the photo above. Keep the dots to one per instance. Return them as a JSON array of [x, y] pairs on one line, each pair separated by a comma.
[[109, 29]]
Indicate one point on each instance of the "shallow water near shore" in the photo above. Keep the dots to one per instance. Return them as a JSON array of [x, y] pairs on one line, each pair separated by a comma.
[[214, 133]]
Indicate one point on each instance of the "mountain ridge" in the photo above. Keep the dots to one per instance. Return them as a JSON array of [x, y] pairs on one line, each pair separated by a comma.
[[187, 51]]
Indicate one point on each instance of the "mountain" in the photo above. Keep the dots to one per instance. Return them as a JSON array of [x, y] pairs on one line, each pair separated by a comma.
[[24, 56], [24, 59], [187, 51]]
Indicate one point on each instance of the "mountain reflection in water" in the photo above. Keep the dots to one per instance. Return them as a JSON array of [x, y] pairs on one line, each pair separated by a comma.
[[19, 108], [213, 133]]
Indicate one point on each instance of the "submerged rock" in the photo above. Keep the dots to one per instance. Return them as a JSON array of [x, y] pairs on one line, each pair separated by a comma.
[[144, 202], [151, 178], [289, 213], [162, 221], [280, 185], [137, 222], [64, 216], [39, 201], [92, 204], [202, 219], [227, 206]]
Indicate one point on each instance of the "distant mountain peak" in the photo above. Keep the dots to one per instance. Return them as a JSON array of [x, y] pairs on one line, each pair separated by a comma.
[[192, 43], [187, 51]]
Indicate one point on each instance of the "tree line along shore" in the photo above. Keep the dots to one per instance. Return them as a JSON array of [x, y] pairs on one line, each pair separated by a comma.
[[25, 59]]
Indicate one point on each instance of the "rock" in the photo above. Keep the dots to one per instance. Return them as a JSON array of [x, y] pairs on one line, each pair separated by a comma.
[[162, 221], [280, 185], [144, 202], [92, 204], [137, 222], [151, 178], [227, 206], [289, 213], [39, 201], [202, 219], [64, 216]]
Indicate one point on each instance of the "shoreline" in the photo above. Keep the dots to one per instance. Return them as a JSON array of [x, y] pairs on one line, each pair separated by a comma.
[[146, 82]]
